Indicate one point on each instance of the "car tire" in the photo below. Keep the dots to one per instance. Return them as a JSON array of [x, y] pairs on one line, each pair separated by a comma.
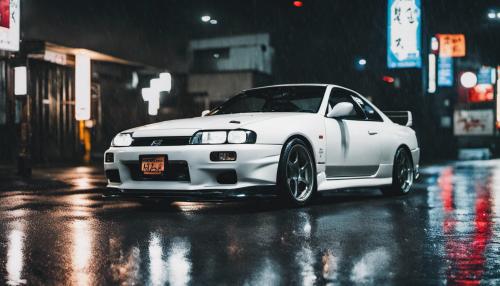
[[402, 174], [296, 178]]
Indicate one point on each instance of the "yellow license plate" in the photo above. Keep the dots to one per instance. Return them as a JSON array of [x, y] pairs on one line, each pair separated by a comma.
[[153, 165]]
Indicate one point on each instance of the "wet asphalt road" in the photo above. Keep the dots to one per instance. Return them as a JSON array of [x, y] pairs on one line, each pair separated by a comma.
[[446, 232]]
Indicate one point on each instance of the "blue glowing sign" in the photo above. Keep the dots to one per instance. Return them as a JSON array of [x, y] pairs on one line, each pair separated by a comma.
[[403, 34], [445, 71], [486, 75]]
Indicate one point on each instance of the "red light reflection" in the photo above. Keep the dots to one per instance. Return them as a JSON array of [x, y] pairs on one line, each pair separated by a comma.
[[465, 251]]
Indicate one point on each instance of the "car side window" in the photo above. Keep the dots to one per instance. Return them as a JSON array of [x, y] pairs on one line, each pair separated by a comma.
[[338, 95], [371, 114]]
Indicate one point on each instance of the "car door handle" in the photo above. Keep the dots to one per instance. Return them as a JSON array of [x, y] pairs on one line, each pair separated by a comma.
[[372, 132]]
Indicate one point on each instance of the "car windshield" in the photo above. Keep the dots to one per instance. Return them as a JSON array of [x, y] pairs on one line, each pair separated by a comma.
[[274, 99]]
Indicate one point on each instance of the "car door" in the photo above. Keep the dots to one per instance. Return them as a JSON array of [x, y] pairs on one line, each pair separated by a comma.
[[353, 142]]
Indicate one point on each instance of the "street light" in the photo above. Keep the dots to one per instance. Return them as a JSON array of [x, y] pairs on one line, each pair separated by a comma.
[[205, 18], [360, 64], [493, 15], [434, 44]]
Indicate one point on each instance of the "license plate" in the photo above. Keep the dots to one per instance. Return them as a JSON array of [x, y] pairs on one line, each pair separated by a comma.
[[153, 165]]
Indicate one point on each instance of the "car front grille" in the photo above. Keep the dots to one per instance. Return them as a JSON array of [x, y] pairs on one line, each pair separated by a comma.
[[161, 141], [177, 171]]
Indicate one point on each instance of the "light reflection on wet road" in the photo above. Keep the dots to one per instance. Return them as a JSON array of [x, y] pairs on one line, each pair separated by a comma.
[[446, 232]]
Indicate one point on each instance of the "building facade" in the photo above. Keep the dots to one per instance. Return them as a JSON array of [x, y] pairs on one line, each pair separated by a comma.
[[42, 123], [222, 66]]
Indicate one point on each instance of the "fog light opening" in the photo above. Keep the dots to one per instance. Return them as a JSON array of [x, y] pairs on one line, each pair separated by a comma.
[[113, 176], [227, 177], [109, 158]]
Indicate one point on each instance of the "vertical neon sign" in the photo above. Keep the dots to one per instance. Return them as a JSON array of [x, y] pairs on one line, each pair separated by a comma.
[[403, 34]]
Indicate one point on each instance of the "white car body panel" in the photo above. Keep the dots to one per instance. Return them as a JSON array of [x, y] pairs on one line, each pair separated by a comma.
[[347, 153]]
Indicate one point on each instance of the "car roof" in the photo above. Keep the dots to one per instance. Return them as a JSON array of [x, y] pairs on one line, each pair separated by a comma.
[[291, 84]]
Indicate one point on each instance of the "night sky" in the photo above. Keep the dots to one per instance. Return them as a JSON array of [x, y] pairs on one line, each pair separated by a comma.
[[317, 42]]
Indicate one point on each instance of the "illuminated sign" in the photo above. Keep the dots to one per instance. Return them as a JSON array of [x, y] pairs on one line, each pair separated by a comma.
[[486, 75], [451, 45], [55, 57], [432, 74], [9, 25], [152, 97], [152, 94], [403, 34], [5, 13], [498, 93], [445, 71], [20, 81], [82, 87], [481, 93], [473, 122]]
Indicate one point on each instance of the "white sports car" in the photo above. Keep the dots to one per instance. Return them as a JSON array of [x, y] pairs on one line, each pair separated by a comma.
[[290, 141]]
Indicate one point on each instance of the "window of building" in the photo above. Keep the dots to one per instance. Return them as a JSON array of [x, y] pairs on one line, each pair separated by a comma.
[[206, 59]]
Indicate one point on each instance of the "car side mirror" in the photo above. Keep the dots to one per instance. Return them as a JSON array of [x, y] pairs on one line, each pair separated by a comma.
[[341, 109], [205, 112]]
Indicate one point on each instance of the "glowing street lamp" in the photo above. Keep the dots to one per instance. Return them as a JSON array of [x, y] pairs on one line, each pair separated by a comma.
[[208, 19]]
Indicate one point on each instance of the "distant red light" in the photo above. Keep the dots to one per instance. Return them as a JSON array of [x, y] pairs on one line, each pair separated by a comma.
[[481, 93], [298, 3], [388, 79]]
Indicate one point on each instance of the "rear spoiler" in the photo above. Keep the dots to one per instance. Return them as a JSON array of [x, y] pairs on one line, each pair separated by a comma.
[[400, 117]]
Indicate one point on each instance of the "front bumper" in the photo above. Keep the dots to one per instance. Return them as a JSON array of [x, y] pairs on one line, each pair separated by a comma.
[[415, 154], [257, 192], [256, 166]]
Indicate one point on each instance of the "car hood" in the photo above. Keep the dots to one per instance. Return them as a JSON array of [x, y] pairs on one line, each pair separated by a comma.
[[186, 127]]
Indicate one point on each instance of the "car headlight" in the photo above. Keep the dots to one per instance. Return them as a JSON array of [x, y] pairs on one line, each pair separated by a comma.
[[122, 140], [224, 137]]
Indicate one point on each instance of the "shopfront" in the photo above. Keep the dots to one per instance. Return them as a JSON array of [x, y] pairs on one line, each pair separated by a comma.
[[45, 119]]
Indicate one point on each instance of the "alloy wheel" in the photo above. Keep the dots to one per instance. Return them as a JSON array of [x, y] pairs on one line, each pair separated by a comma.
[[299, 173], [404, 171]]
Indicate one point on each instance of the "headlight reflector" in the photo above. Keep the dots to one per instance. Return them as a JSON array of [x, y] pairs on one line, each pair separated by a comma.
[[122, 140], [214, 137], [237, 137]]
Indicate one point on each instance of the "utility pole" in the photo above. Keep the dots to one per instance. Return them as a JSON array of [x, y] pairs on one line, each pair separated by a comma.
[[21, 93]]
